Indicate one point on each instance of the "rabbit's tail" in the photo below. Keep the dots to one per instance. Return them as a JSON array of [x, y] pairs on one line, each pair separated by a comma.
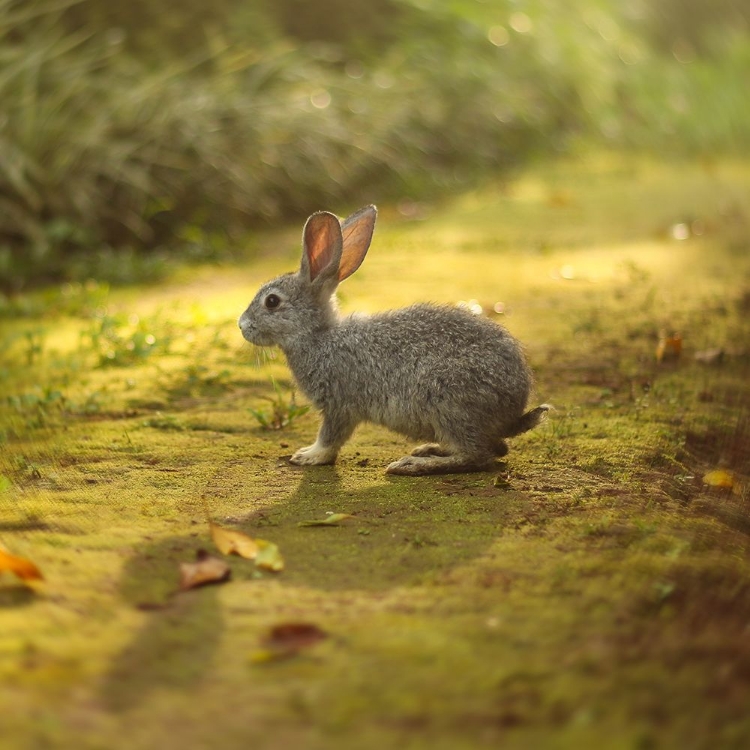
[[529, 420]]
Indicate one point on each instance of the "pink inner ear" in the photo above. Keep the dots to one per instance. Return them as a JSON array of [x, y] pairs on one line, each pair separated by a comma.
[[322, 232]]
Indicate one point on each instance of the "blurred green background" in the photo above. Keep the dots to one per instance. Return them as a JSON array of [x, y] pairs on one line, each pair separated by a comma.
[[132, 131]]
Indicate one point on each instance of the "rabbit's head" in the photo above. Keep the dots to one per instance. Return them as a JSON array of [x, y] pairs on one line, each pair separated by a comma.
[[297, 305]]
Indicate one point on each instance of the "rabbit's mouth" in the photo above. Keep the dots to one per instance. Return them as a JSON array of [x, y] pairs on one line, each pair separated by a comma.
[[253, 335], [247, 331]]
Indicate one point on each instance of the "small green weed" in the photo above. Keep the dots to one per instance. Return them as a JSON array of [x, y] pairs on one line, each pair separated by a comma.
[[200, 379], [284, 410], [32, 345], [121, 341], [564, 424]]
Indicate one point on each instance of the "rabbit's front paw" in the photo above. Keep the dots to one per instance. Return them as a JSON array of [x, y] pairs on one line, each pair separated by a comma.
[[314, 454]]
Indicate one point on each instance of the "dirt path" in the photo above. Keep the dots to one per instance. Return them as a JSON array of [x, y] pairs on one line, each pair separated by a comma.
[[592, 591]]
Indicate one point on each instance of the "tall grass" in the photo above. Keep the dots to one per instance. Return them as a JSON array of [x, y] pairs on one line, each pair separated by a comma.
[[107, 148]]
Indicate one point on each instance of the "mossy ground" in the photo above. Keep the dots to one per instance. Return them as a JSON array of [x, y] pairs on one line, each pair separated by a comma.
[[591, 592]]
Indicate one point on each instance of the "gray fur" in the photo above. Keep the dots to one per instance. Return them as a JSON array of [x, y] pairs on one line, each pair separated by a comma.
[[433, 373]]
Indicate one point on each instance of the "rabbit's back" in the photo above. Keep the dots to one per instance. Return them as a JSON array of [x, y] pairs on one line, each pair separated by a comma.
[[422, 371]]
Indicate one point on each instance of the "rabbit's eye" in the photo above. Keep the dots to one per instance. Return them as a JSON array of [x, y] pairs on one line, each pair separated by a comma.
[[272, 301]]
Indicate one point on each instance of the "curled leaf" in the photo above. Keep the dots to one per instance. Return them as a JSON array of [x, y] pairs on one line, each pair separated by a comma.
[[203, 571], [19, 566], [230, 542], [719, 478], [331, 520], [268, 557]]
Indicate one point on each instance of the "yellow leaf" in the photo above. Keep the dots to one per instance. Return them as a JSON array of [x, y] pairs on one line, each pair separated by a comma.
[[230, 542], [719, 478], [204, 570], [267, 655], [20, 566], [269, 557], [331, 520]]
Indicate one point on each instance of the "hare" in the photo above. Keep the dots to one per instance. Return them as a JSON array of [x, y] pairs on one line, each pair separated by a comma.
[[433, 373]]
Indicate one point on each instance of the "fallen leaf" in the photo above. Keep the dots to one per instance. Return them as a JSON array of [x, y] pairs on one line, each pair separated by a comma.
[[287, 639], [19, 566], [268, 557], [203, 571], [294, 635], [331, 520], [265, 655], [669, 347], [719, 478], [230, 542]]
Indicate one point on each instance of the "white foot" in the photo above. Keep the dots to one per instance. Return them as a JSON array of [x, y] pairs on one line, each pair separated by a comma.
[[416, 466], [313, 455], [406, 466]]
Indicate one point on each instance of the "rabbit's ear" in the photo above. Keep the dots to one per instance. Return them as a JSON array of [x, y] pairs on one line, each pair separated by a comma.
[[357, 233], [322, 244]]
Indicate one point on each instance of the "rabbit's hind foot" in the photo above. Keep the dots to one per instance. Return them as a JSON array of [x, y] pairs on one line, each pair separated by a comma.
[[430, 449], [421, 465]]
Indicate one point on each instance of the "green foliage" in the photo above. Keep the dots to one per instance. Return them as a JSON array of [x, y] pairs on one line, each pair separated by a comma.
[[120, 341], [126, 130], [39, 406], [283, 411]]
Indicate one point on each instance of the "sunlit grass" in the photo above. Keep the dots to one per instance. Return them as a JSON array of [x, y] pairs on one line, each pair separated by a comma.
[[590, 580]]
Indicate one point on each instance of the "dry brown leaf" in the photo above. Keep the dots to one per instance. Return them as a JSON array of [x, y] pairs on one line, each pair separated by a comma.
[[204, 570], [294, 635], [287, 639], [230, 542], [19, 566]]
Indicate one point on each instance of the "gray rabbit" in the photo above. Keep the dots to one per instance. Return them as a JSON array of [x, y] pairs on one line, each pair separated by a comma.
[[430, 372]]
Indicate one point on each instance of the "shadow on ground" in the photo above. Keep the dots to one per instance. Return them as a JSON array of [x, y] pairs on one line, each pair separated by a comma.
[[403, 532]]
